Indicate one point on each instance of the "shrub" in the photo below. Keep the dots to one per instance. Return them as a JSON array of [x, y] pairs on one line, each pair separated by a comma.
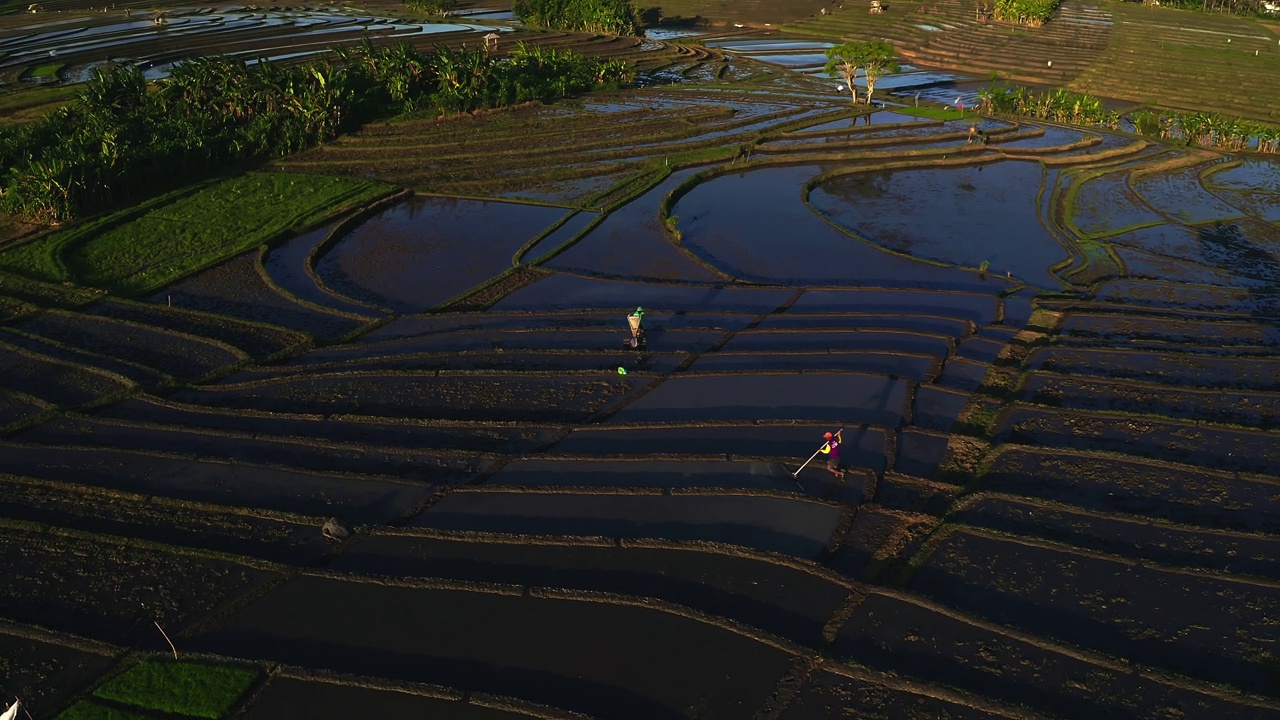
[[432, 7], [615, 17], [119, 141], [1025, 12]]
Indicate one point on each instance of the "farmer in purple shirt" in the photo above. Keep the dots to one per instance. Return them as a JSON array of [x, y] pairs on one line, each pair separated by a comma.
[[832, 450]]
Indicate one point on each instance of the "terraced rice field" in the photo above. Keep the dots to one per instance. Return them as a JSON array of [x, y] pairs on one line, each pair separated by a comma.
[[1133, 52], [1060, 496]]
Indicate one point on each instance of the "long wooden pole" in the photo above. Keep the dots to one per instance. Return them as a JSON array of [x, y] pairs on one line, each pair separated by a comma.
[[166, 639]]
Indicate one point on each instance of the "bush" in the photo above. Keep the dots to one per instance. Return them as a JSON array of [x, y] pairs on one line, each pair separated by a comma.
[[119, 141], [1025, 12], [615, 17], [432, 7]]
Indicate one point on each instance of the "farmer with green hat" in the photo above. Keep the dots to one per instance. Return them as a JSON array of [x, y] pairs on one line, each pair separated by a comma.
[[637, 333]]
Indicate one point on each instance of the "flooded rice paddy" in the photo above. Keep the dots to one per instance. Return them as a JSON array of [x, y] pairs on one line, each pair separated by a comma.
[[1053, 365], [426, 250], [961, 216], [155, 40]]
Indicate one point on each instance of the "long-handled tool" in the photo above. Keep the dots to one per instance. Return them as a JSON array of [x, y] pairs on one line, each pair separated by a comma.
[[806, 462], [814, 455]]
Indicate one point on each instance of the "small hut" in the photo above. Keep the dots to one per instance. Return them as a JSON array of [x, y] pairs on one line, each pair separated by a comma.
[[491, 41], [877, 6]]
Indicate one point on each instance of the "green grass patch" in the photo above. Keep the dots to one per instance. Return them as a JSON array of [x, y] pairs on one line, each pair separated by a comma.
[[89, 710], [47, 72], [134, 252], [935, 113], [205, 691], [26, 102]]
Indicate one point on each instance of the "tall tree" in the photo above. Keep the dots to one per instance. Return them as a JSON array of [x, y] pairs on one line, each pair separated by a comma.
[[878, 59], [873, 57], [843, 61]]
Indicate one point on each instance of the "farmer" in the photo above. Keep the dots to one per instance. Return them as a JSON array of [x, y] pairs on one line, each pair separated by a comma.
[[637, 332], [831, 448]]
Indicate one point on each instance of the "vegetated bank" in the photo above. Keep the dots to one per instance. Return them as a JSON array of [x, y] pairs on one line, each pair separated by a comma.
[[146, 247], [121, 140], [615, 17], [1204, 129]]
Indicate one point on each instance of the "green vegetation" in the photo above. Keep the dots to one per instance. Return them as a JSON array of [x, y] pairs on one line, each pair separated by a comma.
[[1210, 130], [615, 17], [873, 57], [1058, 105], [205, 691], [1025, 12], [120, 141], [26, 102], [431, 7], [46, 72], [89, 710], [135, 251]]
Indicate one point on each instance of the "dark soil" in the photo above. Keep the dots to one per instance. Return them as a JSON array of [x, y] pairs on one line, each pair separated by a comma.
[[296, 699], [790, 601], [537, 648]]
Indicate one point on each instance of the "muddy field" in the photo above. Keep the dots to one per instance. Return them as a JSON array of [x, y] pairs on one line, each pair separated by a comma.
[[1054, 359]]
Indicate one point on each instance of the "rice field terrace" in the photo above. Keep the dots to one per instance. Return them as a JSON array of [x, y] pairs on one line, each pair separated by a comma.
[[360, 433]]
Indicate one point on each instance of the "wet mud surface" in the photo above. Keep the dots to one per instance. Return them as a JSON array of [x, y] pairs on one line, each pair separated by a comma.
[[556, 644]]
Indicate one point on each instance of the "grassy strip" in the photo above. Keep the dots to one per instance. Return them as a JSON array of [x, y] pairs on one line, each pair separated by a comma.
[[196, 689], [519, 254], [48, 71], [142, 250], [89, 710], [42, 258], [31, 102]]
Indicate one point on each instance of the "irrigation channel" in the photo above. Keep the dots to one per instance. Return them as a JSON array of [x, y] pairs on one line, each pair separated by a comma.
[[1054, 356]]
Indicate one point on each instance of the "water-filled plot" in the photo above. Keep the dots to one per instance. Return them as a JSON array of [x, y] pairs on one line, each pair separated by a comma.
[[1217, 253], [1052, 137], [1139, 264], [1176, 241], [1253, 186], [1214, 254], [880, 117], [1181, 196], [428, 249], [1105, 204], [630, 243], [755, 225], [962, 216]]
